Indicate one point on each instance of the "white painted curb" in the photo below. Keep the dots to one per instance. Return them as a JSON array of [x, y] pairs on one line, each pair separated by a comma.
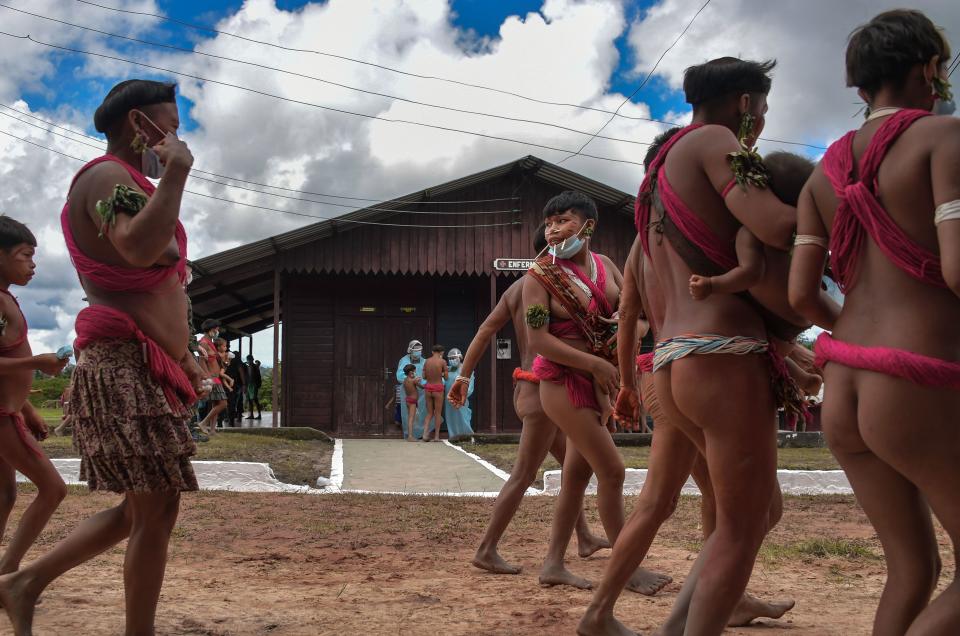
[[792, 482]]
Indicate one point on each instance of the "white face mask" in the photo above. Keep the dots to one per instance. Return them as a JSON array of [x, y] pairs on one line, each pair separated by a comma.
[[150, 164]]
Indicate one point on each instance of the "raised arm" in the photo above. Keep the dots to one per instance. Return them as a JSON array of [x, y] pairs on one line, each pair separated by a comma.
[[759, 209], [945, 175], [631, 310], [807, 265], [499, 317], [144, 237], [558, 351]]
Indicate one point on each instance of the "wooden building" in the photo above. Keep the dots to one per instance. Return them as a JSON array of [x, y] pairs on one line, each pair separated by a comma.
[[353, 291]]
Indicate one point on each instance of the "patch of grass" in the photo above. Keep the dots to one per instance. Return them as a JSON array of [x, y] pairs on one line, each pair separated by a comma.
[[293, 461], [819, 548], [503, 456]]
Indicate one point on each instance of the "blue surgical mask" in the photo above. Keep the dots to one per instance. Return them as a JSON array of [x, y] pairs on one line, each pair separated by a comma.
[[944, 107], [569, 247], [415, 357]]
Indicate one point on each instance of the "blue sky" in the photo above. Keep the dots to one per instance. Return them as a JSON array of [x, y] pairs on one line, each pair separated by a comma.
[[484, 17]]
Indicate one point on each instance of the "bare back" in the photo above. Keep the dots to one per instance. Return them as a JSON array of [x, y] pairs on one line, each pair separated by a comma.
[[14, 387], [161, 313], [886, 306], [433, 370], [719, 313]]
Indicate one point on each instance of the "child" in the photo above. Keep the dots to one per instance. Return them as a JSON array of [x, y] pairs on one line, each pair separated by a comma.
[[435, 372], [788, 174], [411, 386], [20, 424]]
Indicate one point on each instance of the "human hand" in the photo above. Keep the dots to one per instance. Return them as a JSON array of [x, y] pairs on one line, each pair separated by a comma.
[[174, 152], [36, 424], [458, 394], [627, 409], [700, 286], [605, 376], [196, 376], [49, 363]]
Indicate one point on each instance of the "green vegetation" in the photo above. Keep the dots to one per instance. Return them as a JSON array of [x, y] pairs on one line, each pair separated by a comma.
[[820, 548]]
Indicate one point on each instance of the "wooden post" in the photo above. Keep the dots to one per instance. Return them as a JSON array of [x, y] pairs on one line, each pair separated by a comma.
[[493, 358], [276, 340]]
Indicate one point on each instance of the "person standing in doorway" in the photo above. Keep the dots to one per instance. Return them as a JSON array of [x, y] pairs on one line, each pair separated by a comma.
[[435, 373]]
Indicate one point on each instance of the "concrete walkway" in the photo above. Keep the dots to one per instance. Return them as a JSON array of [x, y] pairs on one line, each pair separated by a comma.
[[398, 466]]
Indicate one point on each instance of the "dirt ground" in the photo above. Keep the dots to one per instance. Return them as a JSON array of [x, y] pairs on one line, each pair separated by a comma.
[[371, 564]]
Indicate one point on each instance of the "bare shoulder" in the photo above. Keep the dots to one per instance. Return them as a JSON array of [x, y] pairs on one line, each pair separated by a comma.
[[608, 263], [939, 131], [101, 179], [716, 135]]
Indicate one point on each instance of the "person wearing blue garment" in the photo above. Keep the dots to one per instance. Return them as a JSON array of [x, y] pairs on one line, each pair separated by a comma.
[[457, 419], [415, 357]]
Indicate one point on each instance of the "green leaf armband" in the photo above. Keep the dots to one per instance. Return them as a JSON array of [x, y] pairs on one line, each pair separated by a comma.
[[124, 199], [537, 316]]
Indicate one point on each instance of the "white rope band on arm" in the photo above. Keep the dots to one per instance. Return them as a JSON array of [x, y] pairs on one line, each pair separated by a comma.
[[949, 211], [811, 239]]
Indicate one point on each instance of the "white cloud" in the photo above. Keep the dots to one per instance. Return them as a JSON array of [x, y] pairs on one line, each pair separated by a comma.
[[809, 101]]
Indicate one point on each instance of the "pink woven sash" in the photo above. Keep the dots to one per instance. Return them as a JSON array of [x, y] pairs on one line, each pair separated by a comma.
[[645, 362], [99, 322], [859, 214], [693, 228], [919, 369], [579, 388], [116, 278]]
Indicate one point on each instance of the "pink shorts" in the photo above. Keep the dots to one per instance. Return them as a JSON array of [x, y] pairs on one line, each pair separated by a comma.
[[434, 388]]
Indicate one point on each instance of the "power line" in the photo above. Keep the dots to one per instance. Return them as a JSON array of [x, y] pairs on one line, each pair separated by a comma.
[[102, 148], [320, 79], [642, 84], [198, 27], [290, 212], [313, 105]]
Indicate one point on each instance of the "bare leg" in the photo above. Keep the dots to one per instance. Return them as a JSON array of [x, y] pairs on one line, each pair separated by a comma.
[[740, 445], [573, 482], [411, 418], [587, 542], [536, 437], [588, 441], [894, 463], [8, 494], [437, 415], [209, 423], [671, 457], [154, 516], [431, 415], [50, 492], [20, 590]]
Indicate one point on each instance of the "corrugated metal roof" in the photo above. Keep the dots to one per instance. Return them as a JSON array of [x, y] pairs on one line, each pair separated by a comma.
[[536, 167]]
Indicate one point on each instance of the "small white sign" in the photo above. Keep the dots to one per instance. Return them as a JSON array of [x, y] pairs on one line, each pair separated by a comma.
[[512, 264], [504, 349]]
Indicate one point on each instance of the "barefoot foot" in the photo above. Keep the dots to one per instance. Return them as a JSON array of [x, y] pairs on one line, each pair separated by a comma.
[[595, 624], [562, 576], [648, 583], [589, 544], [750, 608], [18, 602], [492, 562]]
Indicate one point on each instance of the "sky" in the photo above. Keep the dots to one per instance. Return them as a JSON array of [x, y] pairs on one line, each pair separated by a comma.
[[591, 55]]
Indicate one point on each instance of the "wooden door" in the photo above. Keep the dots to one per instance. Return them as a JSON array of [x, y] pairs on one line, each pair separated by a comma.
[[360, 392]]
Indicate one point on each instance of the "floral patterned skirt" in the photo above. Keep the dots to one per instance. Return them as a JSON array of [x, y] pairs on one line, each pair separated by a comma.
[[129, 438]]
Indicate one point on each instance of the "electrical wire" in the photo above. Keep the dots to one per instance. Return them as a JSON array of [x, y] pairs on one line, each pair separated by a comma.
[[642, 84], [314, 105], [290, 212], [102, 148], [616, 113], [325, 81]]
